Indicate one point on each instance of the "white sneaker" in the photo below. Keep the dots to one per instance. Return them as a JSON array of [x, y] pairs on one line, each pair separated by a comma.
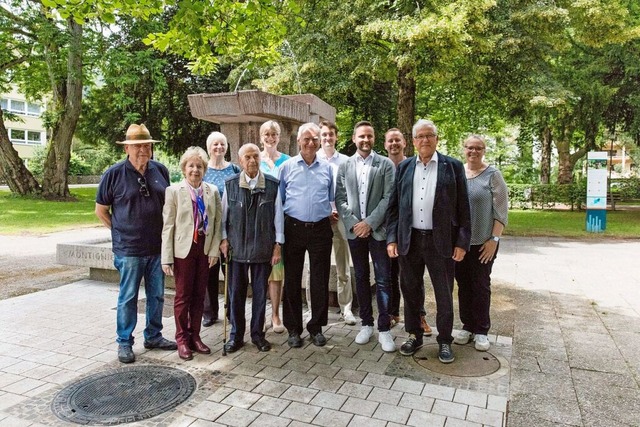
[[463, 337], [349, 318], [482, 343], [386, 342], [364, 335]]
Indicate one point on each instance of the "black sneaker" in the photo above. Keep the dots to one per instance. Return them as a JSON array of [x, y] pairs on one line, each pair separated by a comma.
[[294, 340], [411, 345], [162, 344], [125, 354], [445, 353], [318, 339]]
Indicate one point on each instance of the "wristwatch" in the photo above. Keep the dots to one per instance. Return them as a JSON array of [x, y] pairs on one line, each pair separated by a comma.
[[495, 238]]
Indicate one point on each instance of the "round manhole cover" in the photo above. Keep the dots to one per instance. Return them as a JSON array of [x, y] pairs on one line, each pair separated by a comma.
[[123, 395], [469, 362]]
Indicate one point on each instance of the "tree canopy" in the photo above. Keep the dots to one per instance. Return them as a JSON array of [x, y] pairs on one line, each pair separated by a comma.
[[535, 77]]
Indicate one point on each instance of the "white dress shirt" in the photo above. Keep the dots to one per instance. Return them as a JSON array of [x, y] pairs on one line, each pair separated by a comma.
[[363, 167], [425, 178]]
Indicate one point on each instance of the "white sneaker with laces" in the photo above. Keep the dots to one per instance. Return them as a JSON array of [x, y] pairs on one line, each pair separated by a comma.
[[386, 342], [364, 335], [349, 318], [463, 337], [482, 343]]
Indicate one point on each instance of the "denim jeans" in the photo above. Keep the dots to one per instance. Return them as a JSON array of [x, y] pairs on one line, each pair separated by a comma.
[[132, 269], [360, 249]]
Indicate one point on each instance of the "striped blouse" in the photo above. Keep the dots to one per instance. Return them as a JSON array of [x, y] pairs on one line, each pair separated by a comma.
[[489, 200]]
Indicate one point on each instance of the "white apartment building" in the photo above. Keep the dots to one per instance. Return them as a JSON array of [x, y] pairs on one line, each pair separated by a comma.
[[29, 133]]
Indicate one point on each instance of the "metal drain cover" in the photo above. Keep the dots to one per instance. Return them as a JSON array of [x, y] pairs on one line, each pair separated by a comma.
[[123, 395], [469, 362]]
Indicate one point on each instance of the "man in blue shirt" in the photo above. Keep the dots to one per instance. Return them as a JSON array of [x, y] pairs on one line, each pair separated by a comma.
[[129, 202], [306, 187]]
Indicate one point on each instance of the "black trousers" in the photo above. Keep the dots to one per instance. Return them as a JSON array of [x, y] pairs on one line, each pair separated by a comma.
[[316, 239], [422, 252], [474, 291]]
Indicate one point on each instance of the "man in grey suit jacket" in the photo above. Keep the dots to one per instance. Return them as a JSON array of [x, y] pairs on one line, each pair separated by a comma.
[[362, 196], [428, 224]]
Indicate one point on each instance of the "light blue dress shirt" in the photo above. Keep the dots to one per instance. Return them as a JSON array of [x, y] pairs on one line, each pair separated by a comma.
[[306, 190]]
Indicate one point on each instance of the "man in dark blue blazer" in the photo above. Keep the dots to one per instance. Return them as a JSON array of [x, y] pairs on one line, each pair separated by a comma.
[[428, 223]]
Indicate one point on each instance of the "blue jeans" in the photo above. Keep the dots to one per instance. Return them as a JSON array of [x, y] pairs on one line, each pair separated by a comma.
[[360, 249], [132, 269]]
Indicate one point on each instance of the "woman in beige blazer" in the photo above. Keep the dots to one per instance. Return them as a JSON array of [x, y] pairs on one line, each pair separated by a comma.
[[190, 246]]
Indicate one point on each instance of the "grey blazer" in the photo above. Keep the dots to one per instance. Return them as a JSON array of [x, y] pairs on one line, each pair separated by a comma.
[[381, 178]]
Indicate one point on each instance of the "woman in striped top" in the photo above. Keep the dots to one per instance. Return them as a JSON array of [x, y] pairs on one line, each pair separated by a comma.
[[488, 198]]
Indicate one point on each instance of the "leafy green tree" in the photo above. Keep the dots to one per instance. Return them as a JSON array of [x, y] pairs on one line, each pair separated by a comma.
[[142, 85], [48, 48]]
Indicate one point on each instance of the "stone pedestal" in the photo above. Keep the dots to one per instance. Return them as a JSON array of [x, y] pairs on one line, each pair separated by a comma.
[[98, 257], [240, 115]]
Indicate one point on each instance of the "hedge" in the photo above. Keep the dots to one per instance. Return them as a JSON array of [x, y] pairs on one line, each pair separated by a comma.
[[549, 196]]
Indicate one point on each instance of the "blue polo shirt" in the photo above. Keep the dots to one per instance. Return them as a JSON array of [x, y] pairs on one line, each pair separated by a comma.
[[136, 220]]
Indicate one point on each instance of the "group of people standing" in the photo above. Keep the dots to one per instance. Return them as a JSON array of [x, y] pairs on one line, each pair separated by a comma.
[[264, 218]]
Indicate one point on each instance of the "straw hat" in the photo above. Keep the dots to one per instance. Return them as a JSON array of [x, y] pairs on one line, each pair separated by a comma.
[[137, 134]]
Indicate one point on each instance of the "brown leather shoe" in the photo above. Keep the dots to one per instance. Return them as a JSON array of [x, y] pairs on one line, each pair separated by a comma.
[[199, 347], [184, 353], [425, 326], [394, 320]]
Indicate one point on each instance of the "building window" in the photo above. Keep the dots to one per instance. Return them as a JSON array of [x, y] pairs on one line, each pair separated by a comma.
[[34, 137], [19, 136], [17, 106], [33, 109], [21, 107]]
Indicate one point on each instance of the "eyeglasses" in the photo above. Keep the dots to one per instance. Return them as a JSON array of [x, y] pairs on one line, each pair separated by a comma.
[[474, 148], [143, 186], [425, 136]]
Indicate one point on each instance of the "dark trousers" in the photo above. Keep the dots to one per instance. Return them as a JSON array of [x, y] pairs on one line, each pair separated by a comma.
[[474, 291], [238, 284], [422, 252], [315, 238], [211, 306], [191, 277], [360, 249], [394, 303]]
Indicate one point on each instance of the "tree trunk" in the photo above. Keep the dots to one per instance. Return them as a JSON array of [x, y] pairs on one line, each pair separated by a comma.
[[406, 104], [19, 179], [545, 161], [67, 102], [566, 159]]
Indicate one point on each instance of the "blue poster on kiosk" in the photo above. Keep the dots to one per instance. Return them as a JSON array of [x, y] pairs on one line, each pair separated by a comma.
[[596, 191]]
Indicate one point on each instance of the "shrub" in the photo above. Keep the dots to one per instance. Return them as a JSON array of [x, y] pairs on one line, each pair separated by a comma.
[[547, 196]]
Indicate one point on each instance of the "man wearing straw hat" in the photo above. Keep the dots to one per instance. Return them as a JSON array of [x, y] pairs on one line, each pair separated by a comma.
[[129, 202]]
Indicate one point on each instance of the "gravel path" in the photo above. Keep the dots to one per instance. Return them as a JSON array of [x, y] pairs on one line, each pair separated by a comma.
[[28, 261]]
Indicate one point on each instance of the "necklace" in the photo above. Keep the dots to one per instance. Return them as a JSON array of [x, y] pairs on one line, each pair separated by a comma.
[[472, 173]]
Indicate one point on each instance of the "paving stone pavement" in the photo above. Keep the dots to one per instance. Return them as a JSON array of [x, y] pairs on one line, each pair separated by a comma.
[[573, 358]]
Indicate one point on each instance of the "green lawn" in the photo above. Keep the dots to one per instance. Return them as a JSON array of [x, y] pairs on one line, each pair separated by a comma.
[[620, 224], [34, 215], [20, 215]]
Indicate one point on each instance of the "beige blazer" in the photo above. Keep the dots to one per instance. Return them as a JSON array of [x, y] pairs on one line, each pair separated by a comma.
[[178, 221]]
